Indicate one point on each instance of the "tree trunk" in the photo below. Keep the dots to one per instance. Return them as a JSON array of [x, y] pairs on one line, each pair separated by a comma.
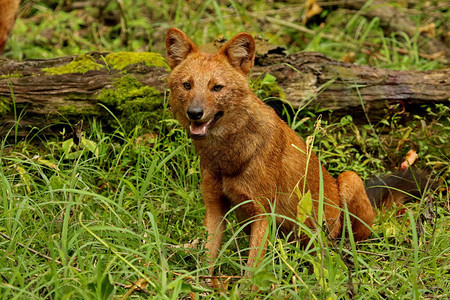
[[42, 97]]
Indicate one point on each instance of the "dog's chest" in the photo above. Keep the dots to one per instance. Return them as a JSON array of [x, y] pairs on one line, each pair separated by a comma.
[[246, 187]]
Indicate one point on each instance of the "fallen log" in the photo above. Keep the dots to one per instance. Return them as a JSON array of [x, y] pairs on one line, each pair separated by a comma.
[[46, 94], [311, 78]]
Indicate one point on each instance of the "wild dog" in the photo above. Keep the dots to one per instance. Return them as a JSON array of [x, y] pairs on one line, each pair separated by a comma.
[[248, 153], [8, 13]]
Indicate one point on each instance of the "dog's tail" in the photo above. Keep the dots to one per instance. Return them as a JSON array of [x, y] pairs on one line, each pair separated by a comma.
[[397, 188]]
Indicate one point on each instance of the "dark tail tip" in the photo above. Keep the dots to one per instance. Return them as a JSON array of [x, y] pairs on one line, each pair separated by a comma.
[[396, 188]]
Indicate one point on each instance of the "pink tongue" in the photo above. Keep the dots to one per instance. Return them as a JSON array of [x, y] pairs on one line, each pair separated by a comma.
[[198, 128]]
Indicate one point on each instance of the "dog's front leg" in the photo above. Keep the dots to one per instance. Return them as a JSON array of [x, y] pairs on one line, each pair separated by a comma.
[[216, 207], [258, 242], [215, 226]]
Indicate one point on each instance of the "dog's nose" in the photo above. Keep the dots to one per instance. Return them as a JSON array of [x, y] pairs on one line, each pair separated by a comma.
[[195, 112]]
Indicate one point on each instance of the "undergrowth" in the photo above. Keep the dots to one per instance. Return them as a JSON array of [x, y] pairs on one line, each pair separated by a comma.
[[52, 28], [88, 219]]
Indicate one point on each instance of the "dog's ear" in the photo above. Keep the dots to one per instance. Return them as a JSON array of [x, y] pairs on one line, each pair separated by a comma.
[[240, 52], [178, 46]]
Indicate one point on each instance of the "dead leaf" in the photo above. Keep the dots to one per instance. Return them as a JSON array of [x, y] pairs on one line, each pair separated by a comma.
[[147, 139], [349, 57], [139, 285], [429, 29], [191, 245], [411, 157], [311, 9]]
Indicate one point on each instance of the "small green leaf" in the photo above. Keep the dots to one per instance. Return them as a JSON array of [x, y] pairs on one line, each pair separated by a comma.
[[66, 146], [385, 122], [102, 285], [263, 280], [57, 182], [187, 288], [107, 286], [91, 145], [26, 178], [48, 163], [304, 206], [268, 79]]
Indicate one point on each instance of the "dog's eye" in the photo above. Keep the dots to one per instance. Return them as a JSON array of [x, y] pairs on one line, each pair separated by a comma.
[[217, 88], [186, 85]]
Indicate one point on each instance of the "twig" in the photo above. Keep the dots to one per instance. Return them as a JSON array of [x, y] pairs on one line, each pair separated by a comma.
[[209, 276], [123, 23], [372, 253], [291, 25]]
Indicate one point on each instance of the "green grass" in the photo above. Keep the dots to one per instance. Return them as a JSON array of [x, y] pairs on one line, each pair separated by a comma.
[[87, 221], [51, 28]]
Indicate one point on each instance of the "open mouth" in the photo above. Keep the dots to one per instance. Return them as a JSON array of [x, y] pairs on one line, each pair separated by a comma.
[[199, 130]]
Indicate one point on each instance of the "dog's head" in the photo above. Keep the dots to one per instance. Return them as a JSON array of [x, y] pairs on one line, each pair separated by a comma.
[[205, 88]]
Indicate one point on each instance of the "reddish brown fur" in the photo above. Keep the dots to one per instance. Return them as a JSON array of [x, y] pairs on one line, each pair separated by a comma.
[[8, 11], [249, 154]]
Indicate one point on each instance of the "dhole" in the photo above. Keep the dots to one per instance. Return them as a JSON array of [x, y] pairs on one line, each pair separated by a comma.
[[8, 11], [247, 152]]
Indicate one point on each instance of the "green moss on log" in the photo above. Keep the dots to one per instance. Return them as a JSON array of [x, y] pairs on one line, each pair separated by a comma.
[[80, 64], [86, 111], [120, 60], [15, 74], [133, 103], [5, 105], [85, 62]]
